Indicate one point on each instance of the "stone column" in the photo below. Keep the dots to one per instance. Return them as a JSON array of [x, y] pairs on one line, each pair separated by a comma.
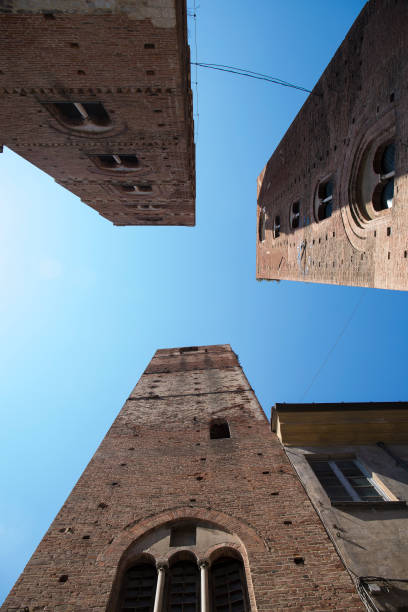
[[161, 575], [205, 605]]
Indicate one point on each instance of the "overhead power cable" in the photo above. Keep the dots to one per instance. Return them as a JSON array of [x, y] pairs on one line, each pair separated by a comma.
[[339, 337], [251, 74]]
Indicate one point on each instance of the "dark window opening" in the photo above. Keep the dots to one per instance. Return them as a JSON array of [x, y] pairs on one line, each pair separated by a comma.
[[219, 430], [276, 227], [138, 589], [131, 188], [188, 349], [118, 162], [183, 535], [295, 215], [261, 226], [344, 480], [384, 165], [183, 587], [325, 195], [228, 586], [81, 114]]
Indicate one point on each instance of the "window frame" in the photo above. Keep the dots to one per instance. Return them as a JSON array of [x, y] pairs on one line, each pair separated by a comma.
[[242, 577], [294, 217], [322, 201], [355, 497], [87, 122]]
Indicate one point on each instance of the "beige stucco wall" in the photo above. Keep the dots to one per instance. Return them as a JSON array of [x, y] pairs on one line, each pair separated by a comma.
[[372, 540]]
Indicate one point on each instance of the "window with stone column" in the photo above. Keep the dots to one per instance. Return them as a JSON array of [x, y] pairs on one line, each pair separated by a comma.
[[184, 566]]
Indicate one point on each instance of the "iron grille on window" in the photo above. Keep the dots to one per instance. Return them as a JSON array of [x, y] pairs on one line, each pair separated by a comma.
[[139, 589], [183, 589], [344, 480], [228, 586]]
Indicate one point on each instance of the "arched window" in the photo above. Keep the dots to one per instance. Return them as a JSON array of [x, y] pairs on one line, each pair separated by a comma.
[[372, 186], [295, 215], [138, 589], [219, 429], [83, 116], [324, 200], [116, 162], [183, 587], [384, 167], [228, 586]]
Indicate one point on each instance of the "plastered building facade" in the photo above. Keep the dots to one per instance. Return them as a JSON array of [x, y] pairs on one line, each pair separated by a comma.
[[97, 94], [190, 503], [353, 462], [332, 200]]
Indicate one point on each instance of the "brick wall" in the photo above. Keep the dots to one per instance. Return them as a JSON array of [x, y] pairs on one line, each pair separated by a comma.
[[133, 60], [361, 98], [156, 464]]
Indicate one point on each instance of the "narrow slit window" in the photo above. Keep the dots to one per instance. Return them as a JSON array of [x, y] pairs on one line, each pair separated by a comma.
[[276, 227], [261, 225]]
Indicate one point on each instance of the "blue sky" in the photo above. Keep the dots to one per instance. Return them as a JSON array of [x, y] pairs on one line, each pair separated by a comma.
[[84, 305]]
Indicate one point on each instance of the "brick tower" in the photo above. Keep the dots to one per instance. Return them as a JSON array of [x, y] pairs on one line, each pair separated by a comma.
[[97, 94], [188, 504], [332, 200]]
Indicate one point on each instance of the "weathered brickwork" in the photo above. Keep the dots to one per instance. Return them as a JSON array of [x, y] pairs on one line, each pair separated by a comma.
[[134, 61], [358, 108], [158, 464]]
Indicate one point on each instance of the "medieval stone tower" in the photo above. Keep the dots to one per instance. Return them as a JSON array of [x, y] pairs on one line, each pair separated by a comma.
[[332, 200], [188, 504], [97, 94]]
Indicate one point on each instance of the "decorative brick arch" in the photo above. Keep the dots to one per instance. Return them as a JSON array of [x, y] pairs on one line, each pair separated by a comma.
[[250, 538]]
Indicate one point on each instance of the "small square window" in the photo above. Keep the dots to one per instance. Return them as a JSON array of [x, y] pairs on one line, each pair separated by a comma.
[[183, 535]]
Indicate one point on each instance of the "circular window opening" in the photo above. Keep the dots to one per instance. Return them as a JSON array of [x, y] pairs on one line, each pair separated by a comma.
[[324, 200], [294, 216], [276, 227]]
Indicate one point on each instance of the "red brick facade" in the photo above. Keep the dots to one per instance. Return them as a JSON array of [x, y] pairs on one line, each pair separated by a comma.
[[333, 151], [132, 60], [158, 465]]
